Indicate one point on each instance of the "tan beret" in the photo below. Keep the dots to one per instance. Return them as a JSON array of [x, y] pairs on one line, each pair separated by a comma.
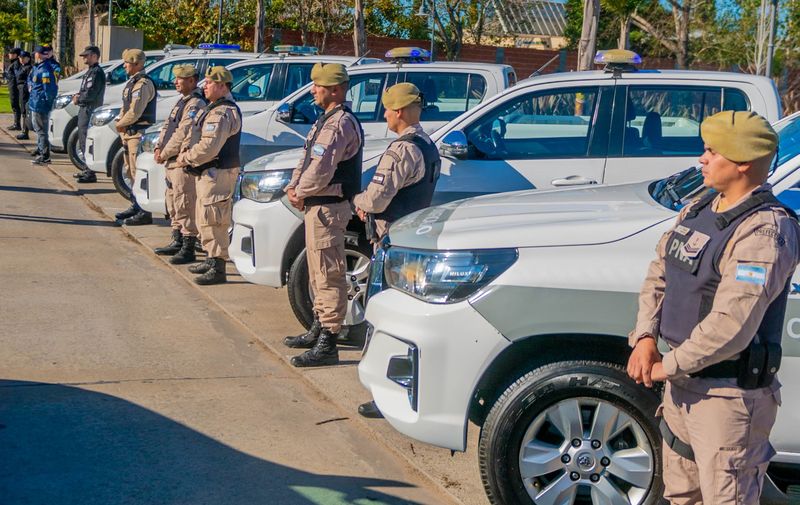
[[186, 70], [218, 74], [401, 95], [739, 136], [329, 74], [133, 56]]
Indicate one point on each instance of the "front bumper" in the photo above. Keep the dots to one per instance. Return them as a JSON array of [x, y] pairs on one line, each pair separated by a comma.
[[60, 126], [261, 233], [150, 185], [454, 345], [99, 141]]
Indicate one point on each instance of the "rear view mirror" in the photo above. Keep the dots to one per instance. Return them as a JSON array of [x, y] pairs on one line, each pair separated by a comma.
[[454, 145]]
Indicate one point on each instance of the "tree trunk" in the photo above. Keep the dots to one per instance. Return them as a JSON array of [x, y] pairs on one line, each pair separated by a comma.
[[359, 30], [681, 13], [588, 42], [61, 31], [90, 13], [624, 32], [258, 42]]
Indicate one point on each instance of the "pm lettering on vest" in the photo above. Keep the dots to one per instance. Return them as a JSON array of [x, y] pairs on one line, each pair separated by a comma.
[[676, 254]]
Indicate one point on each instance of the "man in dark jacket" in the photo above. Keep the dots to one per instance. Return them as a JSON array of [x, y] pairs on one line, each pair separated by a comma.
[[90, 96], [21, 83], [10, 72], [43, 88]]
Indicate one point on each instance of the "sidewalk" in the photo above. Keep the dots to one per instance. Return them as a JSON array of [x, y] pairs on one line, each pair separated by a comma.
[[264, 312]]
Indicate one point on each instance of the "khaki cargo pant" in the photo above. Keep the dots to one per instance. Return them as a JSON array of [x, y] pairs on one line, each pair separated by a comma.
[[131, 142], [181, 200], [730, 440], [214, 209], [325, 252]]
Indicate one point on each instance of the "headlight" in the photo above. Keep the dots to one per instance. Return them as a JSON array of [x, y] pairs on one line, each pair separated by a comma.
[[104, 116], [148, 142], [62, 101], [265, 186], [444, 276]]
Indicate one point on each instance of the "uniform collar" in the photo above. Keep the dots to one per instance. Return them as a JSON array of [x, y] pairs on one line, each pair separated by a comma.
[[764, 187], [412, 129]]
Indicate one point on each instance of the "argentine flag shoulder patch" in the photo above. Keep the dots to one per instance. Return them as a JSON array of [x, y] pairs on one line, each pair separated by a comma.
[[754, 274]]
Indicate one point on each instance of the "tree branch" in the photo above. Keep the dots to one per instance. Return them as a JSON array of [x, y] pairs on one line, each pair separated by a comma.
[[655, 32]]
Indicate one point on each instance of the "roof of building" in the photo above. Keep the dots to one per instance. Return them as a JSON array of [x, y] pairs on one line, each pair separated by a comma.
[[526, 17]]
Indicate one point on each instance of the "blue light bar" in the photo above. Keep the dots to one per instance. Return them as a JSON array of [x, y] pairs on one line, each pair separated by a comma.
[[224, 47], [301, 50], [617, 57], [408, 53]]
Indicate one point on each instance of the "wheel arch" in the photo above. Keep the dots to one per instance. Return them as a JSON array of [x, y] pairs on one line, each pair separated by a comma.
[[72, 124], [115, 147], [529, 353]]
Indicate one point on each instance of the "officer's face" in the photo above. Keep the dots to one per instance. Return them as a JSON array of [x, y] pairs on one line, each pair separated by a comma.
[[718, 171], [185, 85], [392, 118], [215, 90], [322, 95], [132, 68]]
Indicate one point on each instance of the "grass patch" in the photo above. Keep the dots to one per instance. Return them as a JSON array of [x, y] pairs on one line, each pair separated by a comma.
[[5, 104]]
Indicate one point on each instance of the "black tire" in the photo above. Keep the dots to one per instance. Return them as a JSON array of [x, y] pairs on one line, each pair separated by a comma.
[[521, 412], [75, 156], [118, 175], [299, 289]]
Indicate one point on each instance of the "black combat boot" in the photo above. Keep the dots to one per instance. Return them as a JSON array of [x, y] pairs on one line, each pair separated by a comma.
[[24, 136], [125, 214], [173, 247], [323, 353], [214, 275], [203, 267], [370, 410], [138, 219], [186, 254], [87, 176], [306, 340], [14, 128]]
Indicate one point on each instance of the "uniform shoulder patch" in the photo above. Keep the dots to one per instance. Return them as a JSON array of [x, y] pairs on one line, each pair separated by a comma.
[[393, 155], [318, 149], [378, 178], [210, 127], [192, 113], [753, 274], [137, 93], [771, 232]]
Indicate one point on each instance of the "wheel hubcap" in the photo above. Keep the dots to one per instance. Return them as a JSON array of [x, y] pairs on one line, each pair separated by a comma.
[[585, 451]]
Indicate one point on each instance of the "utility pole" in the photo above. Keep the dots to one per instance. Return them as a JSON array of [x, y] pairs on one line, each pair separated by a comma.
[[588, 42], [359, 30], [219, 23], [29, 14], [773, 26], [258, 43], [90, 17]]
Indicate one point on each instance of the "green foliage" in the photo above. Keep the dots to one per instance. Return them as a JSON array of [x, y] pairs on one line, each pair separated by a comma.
[[13, 27]]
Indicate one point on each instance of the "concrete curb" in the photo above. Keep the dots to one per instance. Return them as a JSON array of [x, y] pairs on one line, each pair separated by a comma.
[[347, 413]]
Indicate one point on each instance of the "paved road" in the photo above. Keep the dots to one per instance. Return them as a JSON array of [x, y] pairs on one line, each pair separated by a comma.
[[120, 383]]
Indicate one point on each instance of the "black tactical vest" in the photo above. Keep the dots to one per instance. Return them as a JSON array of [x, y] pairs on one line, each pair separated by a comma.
[[348, 172], [228, 156], [176, 115], [420, 194], [148, 117], [691, 282]]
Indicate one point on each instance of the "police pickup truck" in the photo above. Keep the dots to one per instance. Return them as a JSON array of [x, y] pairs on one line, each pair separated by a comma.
[[558, 130], [512, 311]]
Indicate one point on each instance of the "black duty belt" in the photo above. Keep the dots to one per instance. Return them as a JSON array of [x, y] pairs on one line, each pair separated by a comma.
[[323, 200], [722, 370]]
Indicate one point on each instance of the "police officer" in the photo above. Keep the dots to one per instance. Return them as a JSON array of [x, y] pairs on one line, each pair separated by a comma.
[[88, 98], [13, 92], [716, 294], [137, 114], [181, 196], [23, 94], [407, 172], [43, 90], [211, 152], [323, 184]]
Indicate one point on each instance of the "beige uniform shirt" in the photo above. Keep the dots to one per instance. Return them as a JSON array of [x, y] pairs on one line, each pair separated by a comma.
[[207, 136], [402, 165], [769, 238], [171, 147], [141, 94], [339, 140]]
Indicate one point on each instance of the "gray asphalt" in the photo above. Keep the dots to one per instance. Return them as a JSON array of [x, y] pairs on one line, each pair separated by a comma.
[[120, 383]]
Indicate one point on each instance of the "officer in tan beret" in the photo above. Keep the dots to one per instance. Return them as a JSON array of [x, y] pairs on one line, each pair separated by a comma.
[[181, 195], [211, 153], [137, 114], [716, 295], [323, 185], [407, 172]]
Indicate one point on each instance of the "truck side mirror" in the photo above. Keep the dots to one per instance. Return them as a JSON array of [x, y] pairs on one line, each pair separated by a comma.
[[285, 113], [454, 145]]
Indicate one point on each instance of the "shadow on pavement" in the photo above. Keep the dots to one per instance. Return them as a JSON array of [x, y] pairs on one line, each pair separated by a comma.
[[24, 189], [65, 445], [56, 220]]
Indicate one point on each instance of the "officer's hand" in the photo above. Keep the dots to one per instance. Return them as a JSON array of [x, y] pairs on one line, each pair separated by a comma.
[[297, 203], [157, 156], [75, 99], [657, 372], [361, 214], [642, 359], [121, 129]]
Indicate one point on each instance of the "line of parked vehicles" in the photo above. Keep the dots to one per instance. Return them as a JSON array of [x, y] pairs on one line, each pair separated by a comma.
[[505, 305]]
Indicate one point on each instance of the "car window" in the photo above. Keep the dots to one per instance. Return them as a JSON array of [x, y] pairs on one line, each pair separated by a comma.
[[665, 121], [250, 83], [118, 75], [162, 75], [364, 97], [297, 76], [149, 60], [546, 124], [214, 62], [448, 94]]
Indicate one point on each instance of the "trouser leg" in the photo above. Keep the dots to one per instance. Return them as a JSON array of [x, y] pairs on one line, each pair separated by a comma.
[[25, 118], [183, 201], [84, 114], [132, 143], [214, 210], [13, 96], [40, 125], [681, 476]]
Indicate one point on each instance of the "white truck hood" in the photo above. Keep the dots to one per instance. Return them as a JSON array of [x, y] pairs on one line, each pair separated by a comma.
[[289, 158], [544, 218]]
